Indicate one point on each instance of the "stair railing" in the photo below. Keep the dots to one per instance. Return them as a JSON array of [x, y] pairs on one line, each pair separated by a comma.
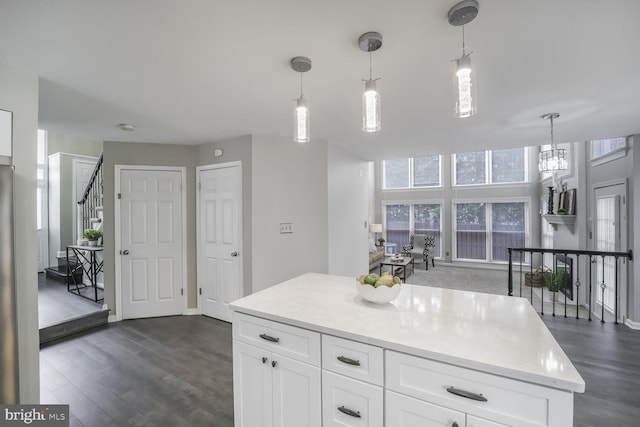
[[91, 199]]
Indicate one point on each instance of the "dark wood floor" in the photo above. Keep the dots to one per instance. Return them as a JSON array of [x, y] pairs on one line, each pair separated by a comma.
[[178, 371], [168, 371], [56, 305]]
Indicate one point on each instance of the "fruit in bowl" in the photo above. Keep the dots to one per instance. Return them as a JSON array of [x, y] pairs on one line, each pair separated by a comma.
[[378, 289]]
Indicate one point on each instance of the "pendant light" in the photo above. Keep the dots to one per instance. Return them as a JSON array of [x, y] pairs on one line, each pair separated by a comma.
[[554, 159], [370, 42], [301, 128], [464, 81]]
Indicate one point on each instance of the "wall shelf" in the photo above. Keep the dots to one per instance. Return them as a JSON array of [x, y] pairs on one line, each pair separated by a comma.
[[560, 219]]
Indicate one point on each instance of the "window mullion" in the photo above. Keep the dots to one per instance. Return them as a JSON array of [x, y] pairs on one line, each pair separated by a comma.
[[488, 179], [489, 228]]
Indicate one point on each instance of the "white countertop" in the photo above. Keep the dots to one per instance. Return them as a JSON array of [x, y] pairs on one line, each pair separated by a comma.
[[497, 334]]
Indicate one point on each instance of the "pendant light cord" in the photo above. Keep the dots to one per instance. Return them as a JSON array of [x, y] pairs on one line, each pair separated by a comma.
[[301, 95], [463, 40], [552, 143], [370, 73]]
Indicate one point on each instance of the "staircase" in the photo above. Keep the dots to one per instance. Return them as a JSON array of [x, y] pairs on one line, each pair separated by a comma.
[[90, 210]]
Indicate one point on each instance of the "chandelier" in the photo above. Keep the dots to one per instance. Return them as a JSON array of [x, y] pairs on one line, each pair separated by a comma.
[[554, 159]]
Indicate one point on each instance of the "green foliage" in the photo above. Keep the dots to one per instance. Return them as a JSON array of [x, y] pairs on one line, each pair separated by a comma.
[[554, 281], [92, 234]]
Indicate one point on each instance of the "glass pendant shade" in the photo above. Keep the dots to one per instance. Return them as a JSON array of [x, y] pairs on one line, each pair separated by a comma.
[[301, 121], [552, 160], [370, 107], [465, 88]]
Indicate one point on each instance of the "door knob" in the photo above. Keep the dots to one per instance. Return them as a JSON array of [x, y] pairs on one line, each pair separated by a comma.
[[125, 252], [234, 253]]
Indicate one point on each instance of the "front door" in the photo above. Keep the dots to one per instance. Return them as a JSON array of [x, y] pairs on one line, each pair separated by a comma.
[[610, 233], [151, 242], [219, 222]]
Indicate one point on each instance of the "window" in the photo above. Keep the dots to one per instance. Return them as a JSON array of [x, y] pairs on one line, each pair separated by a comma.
[[604, 150], [41, 178], [490, 167], [418, 172], [402, 220], [484, 231]]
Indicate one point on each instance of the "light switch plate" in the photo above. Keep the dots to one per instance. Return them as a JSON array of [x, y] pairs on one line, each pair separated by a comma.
[[286, 227]]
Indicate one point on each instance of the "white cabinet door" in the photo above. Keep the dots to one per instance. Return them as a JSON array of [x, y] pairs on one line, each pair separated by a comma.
[[252, 384], [479, 422], [404, 411], [271, 390], [347, 402], [296, 393]]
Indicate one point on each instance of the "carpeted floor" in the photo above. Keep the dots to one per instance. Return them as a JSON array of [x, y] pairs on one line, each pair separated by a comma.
[[478, 279]]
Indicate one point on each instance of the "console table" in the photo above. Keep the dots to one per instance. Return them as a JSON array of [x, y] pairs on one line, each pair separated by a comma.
[[87, 261]]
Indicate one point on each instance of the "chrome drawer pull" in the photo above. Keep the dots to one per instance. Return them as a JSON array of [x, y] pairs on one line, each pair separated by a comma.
[[349, 412], [467, 394], [348, 361], [269, 338]]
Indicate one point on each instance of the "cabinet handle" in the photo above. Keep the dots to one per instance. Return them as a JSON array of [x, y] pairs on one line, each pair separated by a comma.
[[467, 394], [348, 361], [264, 360], [349, 412], [269, 338], [273, 363]]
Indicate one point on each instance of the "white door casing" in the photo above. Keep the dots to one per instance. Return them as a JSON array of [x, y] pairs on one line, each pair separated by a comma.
[[219, 237], [610, 234], [150, 241]]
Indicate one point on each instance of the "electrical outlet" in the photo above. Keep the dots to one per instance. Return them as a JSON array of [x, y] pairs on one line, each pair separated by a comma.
[[286, 227]]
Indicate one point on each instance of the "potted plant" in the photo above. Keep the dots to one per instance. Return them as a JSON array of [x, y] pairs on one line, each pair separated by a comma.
[[92, 236], [554, 281], [561, 211], [381, 242]]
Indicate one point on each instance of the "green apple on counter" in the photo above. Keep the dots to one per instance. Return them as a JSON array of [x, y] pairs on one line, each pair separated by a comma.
[[386, 279]]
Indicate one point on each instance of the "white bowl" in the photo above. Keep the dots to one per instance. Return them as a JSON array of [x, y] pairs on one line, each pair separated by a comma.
[[379, 295]]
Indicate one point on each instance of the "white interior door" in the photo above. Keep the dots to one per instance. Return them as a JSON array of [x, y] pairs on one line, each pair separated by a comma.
[[610, 233], [219, 222], [151, 243]]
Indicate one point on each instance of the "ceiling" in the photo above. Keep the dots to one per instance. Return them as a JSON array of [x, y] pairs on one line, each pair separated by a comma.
[[199, 71]]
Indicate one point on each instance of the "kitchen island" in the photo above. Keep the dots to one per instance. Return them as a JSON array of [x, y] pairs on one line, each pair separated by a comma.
[[311, 349]]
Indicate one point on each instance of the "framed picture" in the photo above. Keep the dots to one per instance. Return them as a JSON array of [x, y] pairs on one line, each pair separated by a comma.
[[571, 201], [562, 201]]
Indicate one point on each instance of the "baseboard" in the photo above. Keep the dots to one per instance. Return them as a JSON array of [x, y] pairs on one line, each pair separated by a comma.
[[112, 318], [192, 312], [631, 324]]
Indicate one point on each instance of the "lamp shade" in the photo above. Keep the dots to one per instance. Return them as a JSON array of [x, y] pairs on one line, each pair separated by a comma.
[[375, 228]]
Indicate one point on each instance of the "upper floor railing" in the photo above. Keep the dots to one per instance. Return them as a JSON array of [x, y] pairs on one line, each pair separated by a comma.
[[602, 268]]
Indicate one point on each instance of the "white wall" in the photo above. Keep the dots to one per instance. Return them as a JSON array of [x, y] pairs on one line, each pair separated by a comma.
[[348, 213], [289, 185], [20, 95]]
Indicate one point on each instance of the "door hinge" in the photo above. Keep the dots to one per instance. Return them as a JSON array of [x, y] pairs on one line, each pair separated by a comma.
[[181, 291], [200, 291], [119, 196], [199, 186]]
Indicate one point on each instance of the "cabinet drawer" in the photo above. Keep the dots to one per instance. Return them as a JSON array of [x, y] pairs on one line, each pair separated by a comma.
[[508, 401], [296, 343], [354, 359], [350, 403], [405, 411]]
